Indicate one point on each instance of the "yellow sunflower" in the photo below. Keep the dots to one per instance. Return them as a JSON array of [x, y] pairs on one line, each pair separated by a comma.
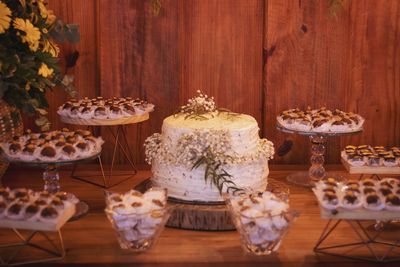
[[50, 47], [32, 34], [5, 17], [45, 71], [45, 13]]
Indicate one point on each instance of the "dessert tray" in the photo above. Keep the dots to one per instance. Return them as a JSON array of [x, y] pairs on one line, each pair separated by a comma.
[[356, 203], [99, 111], [25, 209], [367, 159], [320, 121], [52, 147], [366, 199]]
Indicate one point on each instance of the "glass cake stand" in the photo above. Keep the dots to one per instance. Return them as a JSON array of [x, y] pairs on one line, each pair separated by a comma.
[[316, 171], [51, 178]]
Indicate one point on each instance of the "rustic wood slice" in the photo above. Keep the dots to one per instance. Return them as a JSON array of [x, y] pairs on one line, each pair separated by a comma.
[[370, 170], [105, 122], [195, 215], [206, 216]]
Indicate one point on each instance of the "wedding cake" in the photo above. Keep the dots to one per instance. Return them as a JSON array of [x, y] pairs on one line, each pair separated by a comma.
[[203, 152]]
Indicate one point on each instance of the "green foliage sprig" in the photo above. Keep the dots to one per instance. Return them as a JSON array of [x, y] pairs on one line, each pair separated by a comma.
[[216, 175]]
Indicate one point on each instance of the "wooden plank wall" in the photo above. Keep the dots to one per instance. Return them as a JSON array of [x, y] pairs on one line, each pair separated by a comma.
[[255, 56], [343, 57]]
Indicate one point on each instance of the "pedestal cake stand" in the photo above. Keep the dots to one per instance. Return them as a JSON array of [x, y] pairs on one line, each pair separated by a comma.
[[318, 142], [51, 178], [120, 142]]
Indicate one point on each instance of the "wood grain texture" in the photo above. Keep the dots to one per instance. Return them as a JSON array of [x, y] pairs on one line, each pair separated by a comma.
[[255, 56], [221, 52], [91, 241], [349, 61]]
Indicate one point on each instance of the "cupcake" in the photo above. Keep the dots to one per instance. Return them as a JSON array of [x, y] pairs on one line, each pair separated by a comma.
[[338, 125], [373, 202], [321, 125], [385, 190], [31, 212], [355, 160], [48, 153], [115, 112], [351, 200], [128, 109], [48, 214], [330, 201], [392, 202], [374, 161], [86, 112], [390, 161], [100, 113], [15, 211]]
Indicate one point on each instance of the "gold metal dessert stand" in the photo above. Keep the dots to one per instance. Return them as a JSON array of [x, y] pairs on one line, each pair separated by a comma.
[[52, 252], [117, 129], [369, 243]]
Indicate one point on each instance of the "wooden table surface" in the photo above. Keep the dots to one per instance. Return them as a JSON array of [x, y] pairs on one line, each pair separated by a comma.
[[91, 240]]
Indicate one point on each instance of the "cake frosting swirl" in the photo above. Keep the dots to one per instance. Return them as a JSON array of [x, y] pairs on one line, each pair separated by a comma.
[[203, 152]]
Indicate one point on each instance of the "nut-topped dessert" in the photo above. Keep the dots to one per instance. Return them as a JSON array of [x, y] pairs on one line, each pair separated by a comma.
[[100, 108], [320, 120], [373, 156], [60, 145], [35, 208], [365, 194]]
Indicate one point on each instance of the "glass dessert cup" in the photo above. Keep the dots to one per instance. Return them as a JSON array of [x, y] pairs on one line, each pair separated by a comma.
[[138, 232], [261, 235]]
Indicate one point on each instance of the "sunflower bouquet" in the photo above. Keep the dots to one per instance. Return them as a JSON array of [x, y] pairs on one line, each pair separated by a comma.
[[29, 55]]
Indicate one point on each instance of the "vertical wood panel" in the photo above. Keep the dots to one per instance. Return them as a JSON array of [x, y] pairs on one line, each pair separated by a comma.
[[138, 54], [221, 46], [351, 61], [347, 62], [82, 13]]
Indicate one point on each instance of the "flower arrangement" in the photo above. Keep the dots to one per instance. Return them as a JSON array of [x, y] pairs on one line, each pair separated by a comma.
[[202, 107], [29, 55]]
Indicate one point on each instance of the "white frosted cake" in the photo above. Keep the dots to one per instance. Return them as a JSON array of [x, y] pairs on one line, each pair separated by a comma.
[[203, 152]]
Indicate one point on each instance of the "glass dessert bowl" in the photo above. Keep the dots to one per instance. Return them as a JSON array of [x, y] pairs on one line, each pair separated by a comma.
[[137, 218], [262, 220]]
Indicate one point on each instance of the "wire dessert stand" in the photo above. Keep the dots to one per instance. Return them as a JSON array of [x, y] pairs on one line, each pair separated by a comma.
[[51, 178], [318, 142], [117, 129], [55, 248]]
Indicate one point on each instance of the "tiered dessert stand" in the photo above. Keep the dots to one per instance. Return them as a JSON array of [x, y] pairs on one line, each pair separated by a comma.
[[51, 178], [318, 142], [117, 128]]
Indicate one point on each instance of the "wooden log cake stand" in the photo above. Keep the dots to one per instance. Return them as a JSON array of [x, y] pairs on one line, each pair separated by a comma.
[[204, 216], [192, 215]]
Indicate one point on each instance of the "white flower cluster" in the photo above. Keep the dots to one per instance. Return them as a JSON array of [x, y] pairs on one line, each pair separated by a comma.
[[192, 146], [199, 105], [266, 149], [214, 143], [152, 145]]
